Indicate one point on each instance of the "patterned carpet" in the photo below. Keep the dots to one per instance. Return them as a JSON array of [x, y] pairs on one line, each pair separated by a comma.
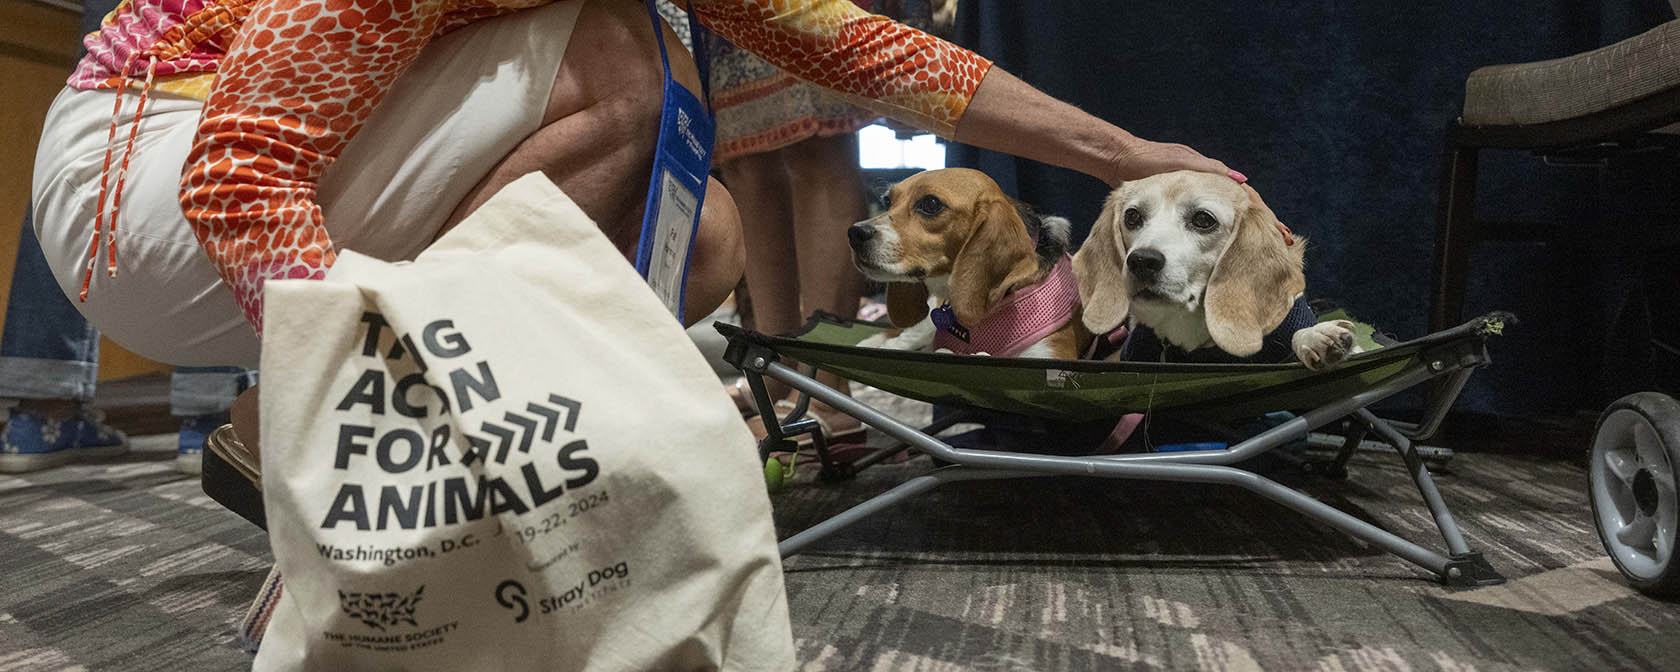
[[1094, 574], [123, 565], [127, 566]]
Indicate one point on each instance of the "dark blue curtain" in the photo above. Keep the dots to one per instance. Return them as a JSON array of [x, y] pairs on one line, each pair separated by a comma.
[[1336, 112]]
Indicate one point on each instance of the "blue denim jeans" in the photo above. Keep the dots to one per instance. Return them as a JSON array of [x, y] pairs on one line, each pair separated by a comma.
[[206, 390], [49, 351]]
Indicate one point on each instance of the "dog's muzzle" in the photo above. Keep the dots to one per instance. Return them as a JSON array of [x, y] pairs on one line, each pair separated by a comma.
[[1145, 264], [863, 239], [860, 235]]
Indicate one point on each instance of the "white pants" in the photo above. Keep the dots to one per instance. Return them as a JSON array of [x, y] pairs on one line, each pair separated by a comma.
[[467, 102]]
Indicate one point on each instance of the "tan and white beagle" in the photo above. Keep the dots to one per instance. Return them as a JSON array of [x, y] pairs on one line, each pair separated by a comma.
[[952, 237], [1199, 260]]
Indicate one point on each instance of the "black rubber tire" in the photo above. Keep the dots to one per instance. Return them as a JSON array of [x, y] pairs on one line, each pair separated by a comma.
[[1615, 501]]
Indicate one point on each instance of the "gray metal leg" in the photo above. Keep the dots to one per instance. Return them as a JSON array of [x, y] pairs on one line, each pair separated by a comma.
[[1355, 435], [1420, 476], [1286, 432], [1467, 567], [774, 431], [932, 429], [890, 498], [1442, 400], [1319, 511]]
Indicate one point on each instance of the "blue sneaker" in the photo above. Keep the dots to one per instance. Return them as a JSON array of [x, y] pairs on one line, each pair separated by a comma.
[[31, 442], [189, 453]]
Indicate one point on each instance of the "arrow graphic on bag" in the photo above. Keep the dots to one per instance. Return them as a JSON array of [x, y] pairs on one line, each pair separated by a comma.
[[529, 427], [480, 448], [505, 437], [550, 418], [572, 408]]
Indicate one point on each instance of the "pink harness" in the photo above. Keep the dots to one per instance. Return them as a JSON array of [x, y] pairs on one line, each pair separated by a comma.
[[1022, 319]]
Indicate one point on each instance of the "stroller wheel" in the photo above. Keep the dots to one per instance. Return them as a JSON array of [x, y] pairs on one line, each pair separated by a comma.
[[1635, 465]]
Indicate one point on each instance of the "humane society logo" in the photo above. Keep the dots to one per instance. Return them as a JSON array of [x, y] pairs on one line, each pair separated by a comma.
[[387, 612], [381, 610]]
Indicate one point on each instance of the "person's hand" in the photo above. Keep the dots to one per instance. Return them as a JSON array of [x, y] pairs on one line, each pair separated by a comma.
[[1141, 158], [1137, 158]]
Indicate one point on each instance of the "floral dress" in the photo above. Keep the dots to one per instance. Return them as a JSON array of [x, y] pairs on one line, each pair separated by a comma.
[[761, 108]]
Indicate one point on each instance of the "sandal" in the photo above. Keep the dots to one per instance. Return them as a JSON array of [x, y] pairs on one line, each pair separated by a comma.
[[843, 453], [837, 427], [232, 476], [741, 393], [782, 466]]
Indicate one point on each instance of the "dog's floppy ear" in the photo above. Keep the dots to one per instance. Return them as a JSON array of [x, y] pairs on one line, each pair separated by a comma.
[[997, 255], [1254, 283], [906, 303], [1100, 266]]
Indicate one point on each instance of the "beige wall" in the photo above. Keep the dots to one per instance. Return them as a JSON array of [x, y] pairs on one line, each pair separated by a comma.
[[37, 50]]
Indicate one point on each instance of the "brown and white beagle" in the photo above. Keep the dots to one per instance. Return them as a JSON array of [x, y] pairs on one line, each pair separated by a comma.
[[1200, 263], [952, 240]]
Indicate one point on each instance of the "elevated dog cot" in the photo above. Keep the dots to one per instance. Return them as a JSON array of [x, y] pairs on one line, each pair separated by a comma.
[[1090, 391]]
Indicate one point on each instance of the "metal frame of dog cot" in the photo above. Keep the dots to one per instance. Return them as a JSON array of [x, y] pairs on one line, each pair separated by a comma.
[[1085, 391]]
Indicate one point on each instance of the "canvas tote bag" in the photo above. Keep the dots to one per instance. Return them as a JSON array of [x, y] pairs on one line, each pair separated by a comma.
[[505, 455]]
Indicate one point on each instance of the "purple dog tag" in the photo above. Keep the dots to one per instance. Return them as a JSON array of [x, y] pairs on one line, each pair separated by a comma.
[[945, 320]]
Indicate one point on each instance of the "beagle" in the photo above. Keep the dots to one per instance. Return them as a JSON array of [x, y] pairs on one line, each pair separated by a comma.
[[995, 274], [1198, 264]]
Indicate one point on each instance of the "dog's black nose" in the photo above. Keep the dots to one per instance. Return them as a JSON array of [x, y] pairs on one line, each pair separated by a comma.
[[860, 233], [1145, 263]]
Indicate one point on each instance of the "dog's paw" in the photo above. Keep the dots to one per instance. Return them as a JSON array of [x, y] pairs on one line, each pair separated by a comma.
[[905, 341], [876, 341], [918, 337], [1323, 346]]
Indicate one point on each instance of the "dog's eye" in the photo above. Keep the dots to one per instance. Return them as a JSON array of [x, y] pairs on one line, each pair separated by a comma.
[[1203, 221], [1134, 219], [929, 206]]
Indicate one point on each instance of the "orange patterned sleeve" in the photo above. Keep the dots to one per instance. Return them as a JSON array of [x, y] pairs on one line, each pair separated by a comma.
[[303, 75], [884, 65], [298, 81]]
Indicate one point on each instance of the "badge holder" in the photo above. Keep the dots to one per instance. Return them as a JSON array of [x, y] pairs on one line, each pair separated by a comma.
[[677, 188]]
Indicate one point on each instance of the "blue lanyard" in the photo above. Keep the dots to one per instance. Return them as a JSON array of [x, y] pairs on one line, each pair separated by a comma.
[[677, 187]]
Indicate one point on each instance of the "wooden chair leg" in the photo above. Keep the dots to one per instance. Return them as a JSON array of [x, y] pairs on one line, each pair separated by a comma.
[[1454, 236]]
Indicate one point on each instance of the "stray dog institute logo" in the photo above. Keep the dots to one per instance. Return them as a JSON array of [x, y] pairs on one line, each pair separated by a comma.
[[592, 586], [381, 610], [511, 595]]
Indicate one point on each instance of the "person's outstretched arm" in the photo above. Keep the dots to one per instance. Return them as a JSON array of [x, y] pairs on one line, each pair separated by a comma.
[[926, 82], [1008, 115]]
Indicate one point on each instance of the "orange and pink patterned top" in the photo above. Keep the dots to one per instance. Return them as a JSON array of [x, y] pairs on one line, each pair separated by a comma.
[[287, 83]]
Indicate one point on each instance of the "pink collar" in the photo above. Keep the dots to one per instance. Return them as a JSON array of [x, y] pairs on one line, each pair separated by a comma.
[[1022, 319]]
